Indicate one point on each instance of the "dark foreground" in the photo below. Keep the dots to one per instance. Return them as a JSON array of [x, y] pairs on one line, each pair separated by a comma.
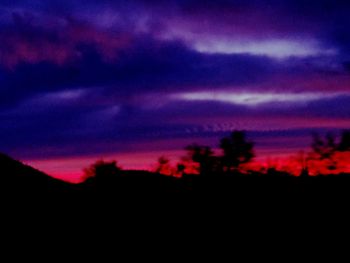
[[23, 183], [138, 202]]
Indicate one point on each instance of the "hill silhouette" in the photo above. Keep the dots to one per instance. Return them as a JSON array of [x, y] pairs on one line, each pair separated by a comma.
[[19, 179]]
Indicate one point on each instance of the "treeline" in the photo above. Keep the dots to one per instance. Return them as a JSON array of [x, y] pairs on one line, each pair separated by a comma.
[[327, 155]]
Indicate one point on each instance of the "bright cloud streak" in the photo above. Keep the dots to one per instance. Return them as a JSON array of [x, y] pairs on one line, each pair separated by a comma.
[[251, 99], [278, 48]]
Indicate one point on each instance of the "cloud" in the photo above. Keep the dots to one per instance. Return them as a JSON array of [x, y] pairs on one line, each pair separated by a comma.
[[274, 48], [145, 67], [253, 99], [25, 39], [106, 72], [149, 67], [63, 124]]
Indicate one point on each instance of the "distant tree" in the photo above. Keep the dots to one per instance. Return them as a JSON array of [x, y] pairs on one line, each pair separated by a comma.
[[204, 157], [180, 169], [236, 151], [344, 144], [102, 169], [324, 149], [163, 166]]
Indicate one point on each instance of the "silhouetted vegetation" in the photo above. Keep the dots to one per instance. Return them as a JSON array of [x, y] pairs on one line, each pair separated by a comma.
[[344, 144], [202, 170], [328, 152], [204, 157], [164, 166], [324, 150], [236, 151], [101, 170]]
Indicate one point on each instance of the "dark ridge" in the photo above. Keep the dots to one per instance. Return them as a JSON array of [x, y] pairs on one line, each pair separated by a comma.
[[20, 179]]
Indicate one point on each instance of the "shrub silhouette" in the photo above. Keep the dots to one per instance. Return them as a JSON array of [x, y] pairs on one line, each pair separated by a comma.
[[236, 151]]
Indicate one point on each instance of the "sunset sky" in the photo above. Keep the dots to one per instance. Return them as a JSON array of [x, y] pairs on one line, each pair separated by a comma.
[[136, 79]]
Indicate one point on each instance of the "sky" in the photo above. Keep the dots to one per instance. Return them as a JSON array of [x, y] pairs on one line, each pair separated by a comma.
[[137, 79]]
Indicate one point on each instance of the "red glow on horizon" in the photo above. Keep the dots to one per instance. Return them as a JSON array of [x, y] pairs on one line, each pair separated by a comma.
[[71, 170]]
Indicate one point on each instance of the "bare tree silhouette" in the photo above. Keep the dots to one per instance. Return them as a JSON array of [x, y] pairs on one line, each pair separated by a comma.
[[324, 149], [236, 151]]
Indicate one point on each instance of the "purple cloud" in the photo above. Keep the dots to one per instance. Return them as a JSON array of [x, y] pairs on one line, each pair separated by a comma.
[[125, 74]]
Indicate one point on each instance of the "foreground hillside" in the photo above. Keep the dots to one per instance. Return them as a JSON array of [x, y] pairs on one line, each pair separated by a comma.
[[19, 180]]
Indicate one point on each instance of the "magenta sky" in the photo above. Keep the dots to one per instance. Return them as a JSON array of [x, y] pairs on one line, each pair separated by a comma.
[[136, 79]]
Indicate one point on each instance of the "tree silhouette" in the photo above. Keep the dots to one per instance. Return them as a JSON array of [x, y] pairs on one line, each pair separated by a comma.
[[344, 144], [163, 166], [236, 151], [102, 170], [204, 157], [180, 169], [324, 149]]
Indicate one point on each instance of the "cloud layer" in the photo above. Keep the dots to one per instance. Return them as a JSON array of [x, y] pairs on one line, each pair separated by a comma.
[[79, 78]]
